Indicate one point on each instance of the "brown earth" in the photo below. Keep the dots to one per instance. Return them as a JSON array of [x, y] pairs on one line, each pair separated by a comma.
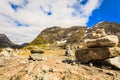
[[56, 66]]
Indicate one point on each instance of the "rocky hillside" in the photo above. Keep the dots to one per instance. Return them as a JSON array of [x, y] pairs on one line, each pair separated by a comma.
[[5, 42], [73, 34], [53, 34]]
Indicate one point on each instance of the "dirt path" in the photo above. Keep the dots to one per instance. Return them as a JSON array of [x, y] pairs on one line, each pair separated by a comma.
[[54, 68]]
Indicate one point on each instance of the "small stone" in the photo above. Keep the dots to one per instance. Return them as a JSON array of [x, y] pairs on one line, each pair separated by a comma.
[[23, 62], [51, 70], [58, 62], [90, 64], [73, 63], [45, 71], [109, 73], [44, 59]]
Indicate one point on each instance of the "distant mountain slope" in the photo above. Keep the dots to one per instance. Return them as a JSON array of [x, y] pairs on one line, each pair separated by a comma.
[[50, 35], [5, 42]]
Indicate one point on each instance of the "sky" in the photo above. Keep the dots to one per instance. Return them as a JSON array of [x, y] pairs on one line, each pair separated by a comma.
[[23, 20]]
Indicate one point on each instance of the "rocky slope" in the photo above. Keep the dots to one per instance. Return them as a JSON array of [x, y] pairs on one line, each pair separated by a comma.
[[6, 42], [53, 34]]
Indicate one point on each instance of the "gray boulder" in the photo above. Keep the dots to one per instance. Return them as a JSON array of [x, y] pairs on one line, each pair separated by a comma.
[[95, 54], [37, 57], [114, 61], [107, 41]]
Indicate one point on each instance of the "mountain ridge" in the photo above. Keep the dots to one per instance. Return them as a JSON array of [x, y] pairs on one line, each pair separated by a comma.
[[74, 34], [6, 42], [53, 34]]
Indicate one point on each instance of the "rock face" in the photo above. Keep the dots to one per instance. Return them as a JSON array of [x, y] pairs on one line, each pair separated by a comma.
[[96, 54], [107, 41], [98, 47]]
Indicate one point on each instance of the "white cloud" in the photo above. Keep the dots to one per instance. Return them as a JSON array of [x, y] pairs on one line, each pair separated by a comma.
[[35, 14]]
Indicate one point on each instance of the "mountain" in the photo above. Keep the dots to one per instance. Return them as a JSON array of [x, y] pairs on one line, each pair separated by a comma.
[[5, 42], [74, 34], [53, 34]]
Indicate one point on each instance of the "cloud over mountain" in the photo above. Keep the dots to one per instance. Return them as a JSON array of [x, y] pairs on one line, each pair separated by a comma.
[[22, 20]]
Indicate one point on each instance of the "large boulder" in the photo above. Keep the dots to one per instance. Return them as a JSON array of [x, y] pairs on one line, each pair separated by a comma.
[[95, 54], [107, 41], [114, 61], [37, 57]]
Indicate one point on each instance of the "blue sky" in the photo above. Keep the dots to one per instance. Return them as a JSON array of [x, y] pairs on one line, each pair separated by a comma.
[[108, 11], [23, 20]]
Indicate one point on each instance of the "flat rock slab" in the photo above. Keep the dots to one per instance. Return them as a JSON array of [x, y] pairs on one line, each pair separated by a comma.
[[37, 57], [107, 41], [95, 54], [114, 61]]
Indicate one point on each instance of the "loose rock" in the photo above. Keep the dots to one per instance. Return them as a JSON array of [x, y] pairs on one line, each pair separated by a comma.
[[107, 41], [95, 54], [38, 57], [114, 61]]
